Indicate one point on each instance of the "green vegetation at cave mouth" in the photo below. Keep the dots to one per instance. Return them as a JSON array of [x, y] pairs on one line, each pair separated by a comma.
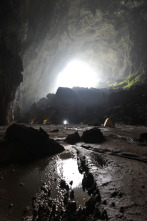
[[131, 80]]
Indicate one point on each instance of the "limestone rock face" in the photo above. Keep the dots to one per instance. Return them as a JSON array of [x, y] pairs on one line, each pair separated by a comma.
[[11, 67], [109, 35], [91, 106]]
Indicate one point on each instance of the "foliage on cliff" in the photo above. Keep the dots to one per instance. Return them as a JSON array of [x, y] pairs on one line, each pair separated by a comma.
[[131, 80]]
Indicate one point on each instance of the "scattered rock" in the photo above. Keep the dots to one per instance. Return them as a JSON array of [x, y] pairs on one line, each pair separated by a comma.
[[45, 188], [82, 164], [73, 138], [93, 135], [88, 181], [71, 182]]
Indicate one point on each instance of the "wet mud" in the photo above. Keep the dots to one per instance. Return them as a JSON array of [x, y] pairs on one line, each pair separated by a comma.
[[87, 181]]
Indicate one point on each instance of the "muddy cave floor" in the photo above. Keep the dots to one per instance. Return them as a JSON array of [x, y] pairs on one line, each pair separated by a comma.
[[119, 168]]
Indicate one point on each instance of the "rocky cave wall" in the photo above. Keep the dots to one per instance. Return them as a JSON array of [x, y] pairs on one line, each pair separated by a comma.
[[109, 34], [11, 65], [90, 106]]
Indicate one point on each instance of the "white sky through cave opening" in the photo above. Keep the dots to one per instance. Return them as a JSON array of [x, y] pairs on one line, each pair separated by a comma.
[[77, 74]]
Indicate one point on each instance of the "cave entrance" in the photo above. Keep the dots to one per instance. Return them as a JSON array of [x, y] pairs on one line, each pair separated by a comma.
[[77, 73]]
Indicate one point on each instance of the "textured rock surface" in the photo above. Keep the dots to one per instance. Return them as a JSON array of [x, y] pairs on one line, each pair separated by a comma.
[[108, 34], [23, 143], [93, 135], [11, 67], [91, 106]]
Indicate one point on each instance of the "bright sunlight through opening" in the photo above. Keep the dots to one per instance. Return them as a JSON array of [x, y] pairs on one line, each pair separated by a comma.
[[65, 122], [77, 74]]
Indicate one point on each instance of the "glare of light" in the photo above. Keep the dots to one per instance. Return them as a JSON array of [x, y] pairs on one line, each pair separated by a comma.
[[44, 121], [77, 74], [68, 169], [65, 122]]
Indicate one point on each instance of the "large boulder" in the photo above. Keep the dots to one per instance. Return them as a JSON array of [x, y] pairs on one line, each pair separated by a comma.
[[93, 135], [23, 143], [73, 138]]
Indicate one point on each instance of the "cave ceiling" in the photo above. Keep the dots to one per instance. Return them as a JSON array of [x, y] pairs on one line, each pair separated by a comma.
[[109, 35]]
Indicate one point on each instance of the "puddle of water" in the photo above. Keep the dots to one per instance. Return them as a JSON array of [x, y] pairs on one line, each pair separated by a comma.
[[31, 176], [21, 182], [66, 168]]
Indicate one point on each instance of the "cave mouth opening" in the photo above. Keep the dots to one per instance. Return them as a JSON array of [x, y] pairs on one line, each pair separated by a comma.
[[77, 73]]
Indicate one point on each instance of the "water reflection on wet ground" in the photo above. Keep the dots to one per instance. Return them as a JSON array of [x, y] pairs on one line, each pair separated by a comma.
[[19, 183], [67, 169]]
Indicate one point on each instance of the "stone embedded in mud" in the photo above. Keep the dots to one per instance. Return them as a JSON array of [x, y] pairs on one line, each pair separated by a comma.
[[71, 182], [23, 143], [92, 189], [73, 138], [65, 200], [72, 194], [45, 188], [88, 181], [93, 135], [90, 205]]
